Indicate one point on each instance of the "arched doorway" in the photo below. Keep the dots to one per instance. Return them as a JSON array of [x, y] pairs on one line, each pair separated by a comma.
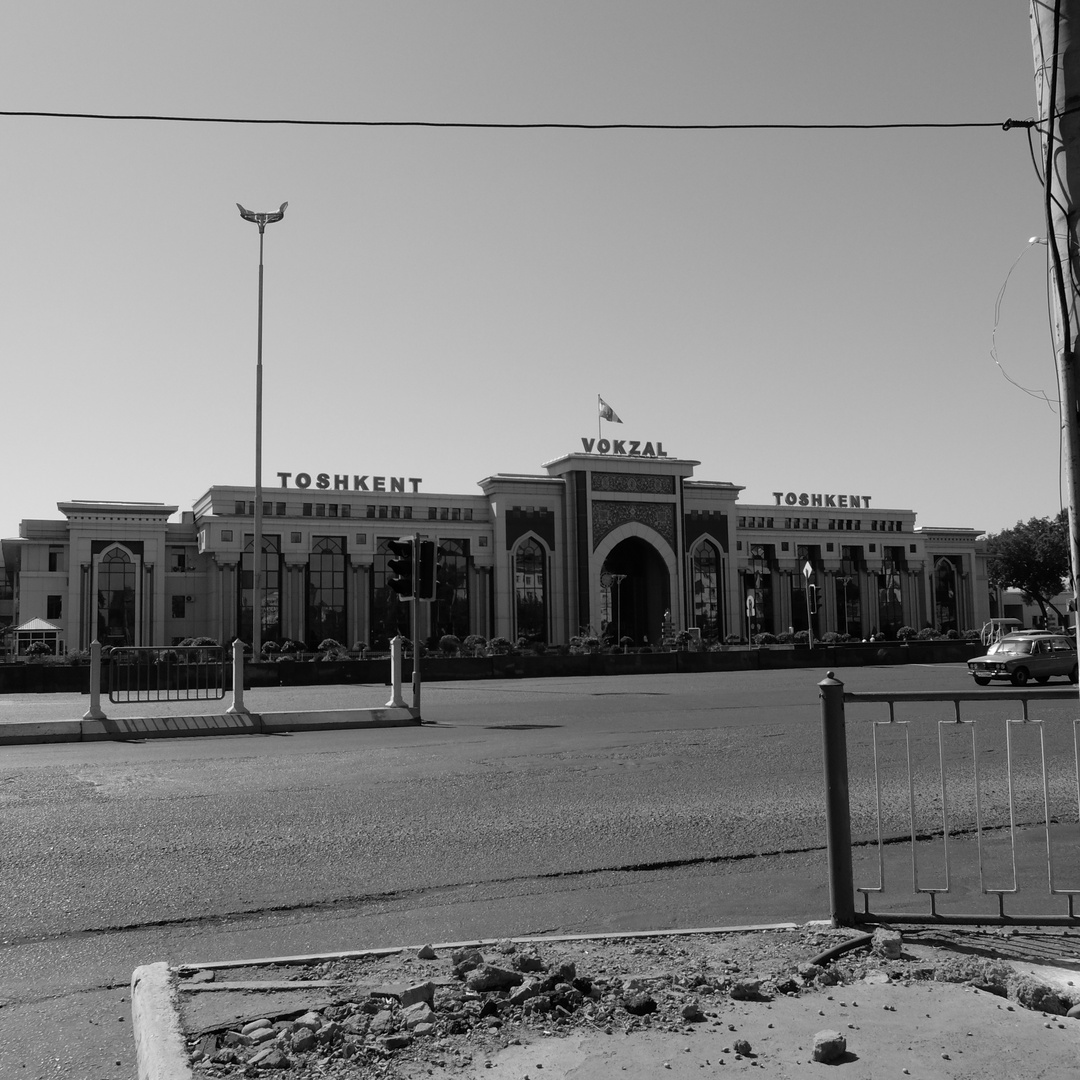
[[634, 606]]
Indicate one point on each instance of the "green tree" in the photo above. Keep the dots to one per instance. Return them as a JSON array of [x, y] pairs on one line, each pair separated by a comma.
[[1032, 556]]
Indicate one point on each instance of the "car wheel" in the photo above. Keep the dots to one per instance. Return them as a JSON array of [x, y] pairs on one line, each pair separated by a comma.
[[980, 681], [1020, 677]]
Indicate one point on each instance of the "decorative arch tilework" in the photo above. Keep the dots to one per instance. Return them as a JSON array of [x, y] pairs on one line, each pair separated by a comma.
[[636, 483], [608, 516]]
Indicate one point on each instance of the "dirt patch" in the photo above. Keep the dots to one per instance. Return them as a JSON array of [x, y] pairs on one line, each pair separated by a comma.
[[595, 1008]]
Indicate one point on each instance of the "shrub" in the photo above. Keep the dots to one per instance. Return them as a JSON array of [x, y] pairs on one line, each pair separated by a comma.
[[733, 639], [332, 650], [38, 648], [906, 633], [801, 637], [953, 635], [449, 645], [830, 637], [360, 647], [766, 639], [500, 646], [577, 644], [785, 638], [682, 639], [290, 646], [972, 635], [928, 633], [590, 644], [474, 645], [271, 647], [626, 641]]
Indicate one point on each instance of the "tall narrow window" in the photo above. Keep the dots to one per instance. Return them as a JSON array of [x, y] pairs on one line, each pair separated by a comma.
[[705, 587], [530, 591], [946, 594], [450, 611], [271, 590], [116, 598], [390, 614], [848, 594], [326, 592]]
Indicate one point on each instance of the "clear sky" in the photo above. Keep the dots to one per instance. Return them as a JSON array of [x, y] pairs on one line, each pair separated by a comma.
[[797, 310]]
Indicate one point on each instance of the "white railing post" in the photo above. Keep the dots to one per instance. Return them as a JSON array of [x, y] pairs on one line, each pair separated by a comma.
[[397, 701], [237, 705], [94, 712]]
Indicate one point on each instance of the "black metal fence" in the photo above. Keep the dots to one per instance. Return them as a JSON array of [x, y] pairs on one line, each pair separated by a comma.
[[178, 673]]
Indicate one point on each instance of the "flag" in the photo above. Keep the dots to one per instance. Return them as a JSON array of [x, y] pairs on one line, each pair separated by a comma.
[[607, 412]]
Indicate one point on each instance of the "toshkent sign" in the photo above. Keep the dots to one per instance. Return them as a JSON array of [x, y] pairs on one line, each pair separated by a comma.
[[349, 482], [802, 498], [623, 447]]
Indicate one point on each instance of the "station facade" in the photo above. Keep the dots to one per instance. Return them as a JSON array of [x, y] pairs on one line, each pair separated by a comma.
[[618, 540]]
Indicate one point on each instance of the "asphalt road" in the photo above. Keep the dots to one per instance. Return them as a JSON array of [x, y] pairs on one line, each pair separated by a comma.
[[519, 807]]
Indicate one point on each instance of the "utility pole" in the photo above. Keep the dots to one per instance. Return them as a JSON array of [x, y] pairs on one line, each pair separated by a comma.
[[1057, 91]]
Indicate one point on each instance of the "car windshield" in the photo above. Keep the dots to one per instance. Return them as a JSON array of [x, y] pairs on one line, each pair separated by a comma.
[[1013, 645]]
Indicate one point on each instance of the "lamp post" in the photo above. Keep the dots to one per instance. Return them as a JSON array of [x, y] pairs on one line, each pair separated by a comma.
[[262, 220]]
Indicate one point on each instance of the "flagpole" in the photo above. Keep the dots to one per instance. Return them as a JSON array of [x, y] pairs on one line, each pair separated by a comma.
[[599, 419]]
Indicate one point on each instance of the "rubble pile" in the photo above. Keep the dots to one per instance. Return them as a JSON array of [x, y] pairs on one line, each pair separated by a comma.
[[476, 999], [417, 1013]]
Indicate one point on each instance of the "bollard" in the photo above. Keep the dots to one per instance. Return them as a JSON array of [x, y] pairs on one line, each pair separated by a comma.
[[94, 712], [837, 802], [237, 705], [396, 702]]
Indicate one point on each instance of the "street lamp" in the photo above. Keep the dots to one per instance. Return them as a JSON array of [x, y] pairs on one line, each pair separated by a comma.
[[262, 220]]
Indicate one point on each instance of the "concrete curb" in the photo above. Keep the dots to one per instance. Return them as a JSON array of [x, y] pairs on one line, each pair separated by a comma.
[[171, 727], [160, 1052]]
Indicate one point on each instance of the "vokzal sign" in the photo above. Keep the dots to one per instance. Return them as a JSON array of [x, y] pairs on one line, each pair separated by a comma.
[[619, 447]]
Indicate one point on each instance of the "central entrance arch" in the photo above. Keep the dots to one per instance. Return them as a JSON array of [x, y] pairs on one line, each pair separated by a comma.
[[635, 605]]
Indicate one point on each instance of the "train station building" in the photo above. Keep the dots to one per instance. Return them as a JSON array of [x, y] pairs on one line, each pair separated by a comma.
[[618, 539]]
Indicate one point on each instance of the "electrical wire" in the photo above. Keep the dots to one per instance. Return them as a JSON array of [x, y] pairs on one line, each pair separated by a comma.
[[524, 125], [1041, 394]]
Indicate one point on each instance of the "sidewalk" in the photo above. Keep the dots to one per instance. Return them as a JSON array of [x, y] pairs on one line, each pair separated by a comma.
[[39, 718], [404, 1012]]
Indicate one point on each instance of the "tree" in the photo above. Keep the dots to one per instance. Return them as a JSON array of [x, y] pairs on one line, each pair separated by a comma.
[[1033, 557]]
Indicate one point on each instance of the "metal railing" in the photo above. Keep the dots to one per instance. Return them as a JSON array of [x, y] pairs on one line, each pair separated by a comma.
[[177, 673], [976, 797]]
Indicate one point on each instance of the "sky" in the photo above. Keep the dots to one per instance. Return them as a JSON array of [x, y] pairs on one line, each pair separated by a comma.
[[854, 311]]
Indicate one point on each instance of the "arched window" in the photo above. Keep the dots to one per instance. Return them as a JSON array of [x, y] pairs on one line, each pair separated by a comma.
[[326, 592], [946, 596], [530, 591], [705, 589], [116, 598]]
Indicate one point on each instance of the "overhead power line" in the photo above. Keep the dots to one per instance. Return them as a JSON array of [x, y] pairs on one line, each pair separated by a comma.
[[553, 124]]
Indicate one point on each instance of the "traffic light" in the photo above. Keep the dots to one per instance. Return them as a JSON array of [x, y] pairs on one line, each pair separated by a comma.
[[813, 599], [427, 570], [401, 566]]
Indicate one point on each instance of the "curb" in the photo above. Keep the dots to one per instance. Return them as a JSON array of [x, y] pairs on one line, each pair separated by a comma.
[[171, 727], [160, 1052]]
